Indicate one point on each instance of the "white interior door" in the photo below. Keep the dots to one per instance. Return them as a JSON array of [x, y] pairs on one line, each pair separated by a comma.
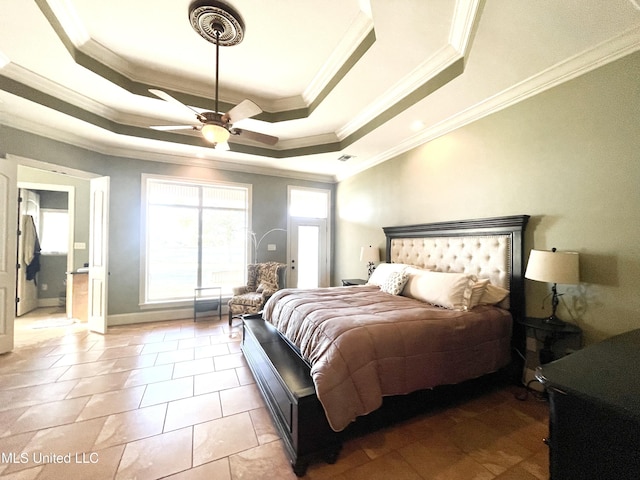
[[308, 259], [29, 215], [98, 254], [8, 239]]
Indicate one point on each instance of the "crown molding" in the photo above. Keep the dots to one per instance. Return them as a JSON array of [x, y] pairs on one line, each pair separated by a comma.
[[466, 17], [182, 154], [606, 52], [360, 29], [56, 90], [464, 22], [440, 61]]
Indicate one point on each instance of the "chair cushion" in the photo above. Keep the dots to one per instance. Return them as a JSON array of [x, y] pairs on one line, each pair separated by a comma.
[[250, 299]]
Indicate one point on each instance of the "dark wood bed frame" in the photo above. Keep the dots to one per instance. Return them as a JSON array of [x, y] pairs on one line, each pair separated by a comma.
[[284, 377]]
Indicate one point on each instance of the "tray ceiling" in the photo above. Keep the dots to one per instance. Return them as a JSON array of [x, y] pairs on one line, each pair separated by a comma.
[[365, 79]]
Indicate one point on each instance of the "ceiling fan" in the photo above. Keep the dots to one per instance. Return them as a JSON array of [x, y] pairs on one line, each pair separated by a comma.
[[220, 24]]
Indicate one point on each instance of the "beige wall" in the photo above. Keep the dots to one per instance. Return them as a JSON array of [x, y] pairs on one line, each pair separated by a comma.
[[569, 157]]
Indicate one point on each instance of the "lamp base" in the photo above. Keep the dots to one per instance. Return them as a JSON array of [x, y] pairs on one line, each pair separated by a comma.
[[370, 268], [554, 321]]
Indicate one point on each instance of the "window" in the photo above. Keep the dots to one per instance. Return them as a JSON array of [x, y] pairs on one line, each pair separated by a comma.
[[308, 203], [54, 232], [195, 236]]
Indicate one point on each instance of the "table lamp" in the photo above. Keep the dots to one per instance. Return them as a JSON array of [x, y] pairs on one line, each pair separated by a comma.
[[553, 267], [371, 255]]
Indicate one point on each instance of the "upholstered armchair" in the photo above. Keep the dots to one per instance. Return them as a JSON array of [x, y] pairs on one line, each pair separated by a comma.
[[263, 280]]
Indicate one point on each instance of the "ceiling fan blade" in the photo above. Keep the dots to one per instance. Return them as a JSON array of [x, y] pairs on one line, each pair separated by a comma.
[[258, 137], [174, 127], [244, 109], [165, 96]]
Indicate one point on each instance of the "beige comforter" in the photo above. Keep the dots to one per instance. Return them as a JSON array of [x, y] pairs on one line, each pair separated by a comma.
[[363, 344]]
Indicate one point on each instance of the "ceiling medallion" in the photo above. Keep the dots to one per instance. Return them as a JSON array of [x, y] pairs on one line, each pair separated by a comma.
[[207, 17]]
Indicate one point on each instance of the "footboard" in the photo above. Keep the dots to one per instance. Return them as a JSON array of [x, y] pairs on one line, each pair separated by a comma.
[[285, 382]]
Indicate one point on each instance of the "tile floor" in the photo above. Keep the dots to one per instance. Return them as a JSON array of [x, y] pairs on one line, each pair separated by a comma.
[[176, 400]]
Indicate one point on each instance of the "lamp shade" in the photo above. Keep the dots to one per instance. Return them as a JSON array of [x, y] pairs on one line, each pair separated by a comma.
[[215, 133], [369, 254], [553, 267]]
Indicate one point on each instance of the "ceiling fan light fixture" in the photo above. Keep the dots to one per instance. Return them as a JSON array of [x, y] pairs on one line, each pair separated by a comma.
[[215, 133]]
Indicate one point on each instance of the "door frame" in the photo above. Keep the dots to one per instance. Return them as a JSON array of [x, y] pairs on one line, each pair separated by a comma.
[[9, 251], [294, 221], [71, 209], [324, 273], [60, 169]]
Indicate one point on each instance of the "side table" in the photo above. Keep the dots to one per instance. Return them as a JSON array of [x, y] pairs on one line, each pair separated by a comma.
[[349, 282], [207, 299], [546, 342]]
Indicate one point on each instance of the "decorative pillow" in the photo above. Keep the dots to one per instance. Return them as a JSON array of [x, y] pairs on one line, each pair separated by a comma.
[[448, 290], [395, 282], [477, 290], [493, 295], [382, 272]]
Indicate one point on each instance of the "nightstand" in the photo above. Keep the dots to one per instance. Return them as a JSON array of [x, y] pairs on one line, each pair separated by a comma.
[[349, 282], [545, 343]]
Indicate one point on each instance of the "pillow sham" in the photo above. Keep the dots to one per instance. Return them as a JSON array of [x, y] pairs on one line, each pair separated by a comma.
[[477, 290], [395, 282], [382, 272], [448, 290], [493, 295], [412, 287]]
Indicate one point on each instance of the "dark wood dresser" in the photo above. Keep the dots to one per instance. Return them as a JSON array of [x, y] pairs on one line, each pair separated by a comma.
[[594, 425]]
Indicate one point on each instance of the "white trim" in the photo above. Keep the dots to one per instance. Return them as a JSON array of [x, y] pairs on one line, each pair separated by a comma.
[[158, 316], [587, 61], [145, 177], [430, 68], [327, 271], [358, 31]]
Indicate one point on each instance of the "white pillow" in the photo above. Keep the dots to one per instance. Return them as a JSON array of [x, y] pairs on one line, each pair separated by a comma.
[[493, 295], [412, 287], [395, 282], [448, 290], [382, 272]]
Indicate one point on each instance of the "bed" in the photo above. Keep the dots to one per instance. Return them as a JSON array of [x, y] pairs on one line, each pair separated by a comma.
[[439, 311]]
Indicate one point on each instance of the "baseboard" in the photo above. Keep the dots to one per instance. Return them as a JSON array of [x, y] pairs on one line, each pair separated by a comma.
[[49, 302], [153, 316]]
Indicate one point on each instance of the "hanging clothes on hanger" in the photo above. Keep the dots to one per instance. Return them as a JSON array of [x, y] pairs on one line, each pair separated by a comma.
[[31, 247]]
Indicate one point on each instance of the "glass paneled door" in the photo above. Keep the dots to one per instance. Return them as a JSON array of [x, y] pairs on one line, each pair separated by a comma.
[[308, 263]]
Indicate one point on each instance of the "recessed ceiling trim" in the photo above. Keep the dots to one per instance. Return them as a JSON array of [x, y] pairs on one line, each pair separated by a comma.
[[186, 157], [466, 17], [359, 35], [426, 71], [606, 52], [122, 73]]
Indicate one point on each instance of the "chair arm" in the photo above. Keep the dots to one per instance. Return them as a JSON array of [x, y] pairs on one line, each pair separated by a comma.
[[239, 290]]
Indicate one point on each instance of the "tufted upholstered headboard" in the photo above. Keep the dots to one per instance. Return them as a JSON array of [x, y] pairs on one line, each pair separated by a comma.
[[489, 248]]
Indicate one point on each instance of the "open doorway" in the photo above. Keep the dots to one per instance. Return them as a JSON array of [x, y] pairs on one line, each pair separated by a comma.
[[46, 214], [88, 237]]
